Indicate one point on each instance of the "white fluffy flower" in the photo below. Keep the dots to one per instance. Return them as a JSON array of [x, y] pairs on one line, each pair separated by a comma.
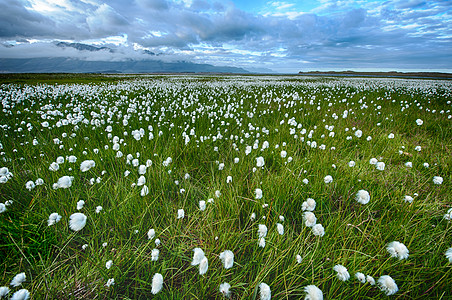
[[305, 181], [448, 215], [262, 242], [313, 293], [54, 167], [318, 230], [144, 191], [264, 291], [373, 161], [361, 277], [362, 196], [180, 213], [391, 136], [65, 182], [449, 254], [203, 266], [80, 204], [328, 179], [258, 193], [309, 219], [4, 290], [387, 285], [53, 219], [227, 257], [155, 254], [370, 280], [308, 205], [419, 122], [18, 279], [98, 209], [86, 165], [380, 165], [151, 233], [437, 180], [157, 283], [2, 208], [108, 264], [110, 282], [351, 163], [224, 289], [299, 258], [197, 256], [397, 249], [262, 230], [202, 205], [30, 185], [77, 221], [342, 273], [358, 133], [260, 162], [408, 199], [21, 294], [280, 228]]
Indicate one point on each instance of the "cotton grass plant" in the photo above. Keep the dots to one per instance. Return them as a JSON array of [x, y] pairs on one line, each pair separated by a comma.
[[244, 223]]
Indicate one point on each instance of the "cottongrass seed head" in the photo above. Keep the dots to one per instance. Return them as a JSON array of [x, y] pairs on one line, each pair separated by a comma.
[[227, 257], [397, 249], [203, 266], [342, 273], [4, 290], [449, 254], [264, 291], [313, 293], [157, 283], [21, 294], [362, 196], [197, 256], [387, 285], [318, 230], [225, 289], [361, 277], [18, 279], [53, 219], [77, 221], [370, 280]]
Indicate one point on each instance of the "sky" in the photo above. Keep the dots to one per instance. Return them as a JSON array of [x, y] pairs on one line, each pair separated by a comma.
[[257, 35]]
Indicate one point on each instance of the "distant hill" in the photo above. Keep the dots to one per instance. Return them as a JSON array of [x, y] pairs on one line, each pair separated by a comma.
[[381, 74], [69, 65]]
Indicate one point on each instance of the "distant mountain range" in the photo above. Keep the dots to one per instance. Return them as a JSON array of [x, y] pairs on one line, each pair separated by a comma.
[[380, 74], [74, 65]]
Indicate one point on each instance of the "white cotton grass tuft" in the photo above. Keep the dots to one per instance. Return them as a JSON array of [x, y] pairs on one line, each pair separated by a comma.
[[262, 230], [53, 219], [202, 205], [180, 213], [397, 249], [328, 179], [18, 279], [370, 280], [342, 273], [318, 230], [203, 266], [280, 228], [387, 285], [437, 180], [86, 165], [108, 264], [313, 293], [299, 259], [2, 208], [21, 294], [4, 290], [262, 242], [157, 283], [408, 199], [151, 233], [264, 291], [309, 219], [98, 209], [77, 221], [258, 193], [260, 162], [155, 254], [308, 205], [449, 254], [225, 289], [80, 204], [64, 182], [197, 256], [380, 166], [362, 196], [227, 257], [361, 277], [110, 282]]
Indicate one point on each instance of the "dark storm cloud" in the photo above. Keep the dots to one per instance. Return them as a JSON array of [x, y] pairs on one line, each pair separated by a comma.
[[405, 32]]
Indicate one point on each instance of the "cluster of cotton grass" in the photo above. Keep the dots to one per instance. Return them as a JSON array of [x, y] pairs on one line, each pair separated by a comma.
[[146, 122]]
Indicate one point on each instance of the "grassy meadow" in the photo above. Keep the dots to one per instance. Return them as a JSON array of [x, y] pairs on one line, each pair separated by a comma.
[[234, 153]]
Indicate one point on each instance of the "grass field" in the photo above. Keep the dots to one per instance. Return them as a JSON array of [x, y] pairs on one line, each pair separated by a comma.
[[206, 162]]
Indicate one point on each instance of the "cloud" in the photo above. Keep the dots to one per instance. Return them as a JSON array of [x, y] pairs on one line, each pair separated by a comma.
[[335, 33]]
